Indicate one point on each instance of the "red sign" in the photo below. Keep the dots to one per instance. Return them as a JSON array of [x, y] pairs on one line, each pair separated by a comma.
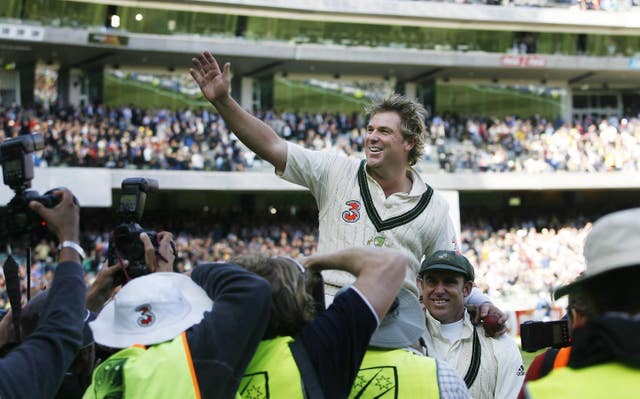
[[523, 61]]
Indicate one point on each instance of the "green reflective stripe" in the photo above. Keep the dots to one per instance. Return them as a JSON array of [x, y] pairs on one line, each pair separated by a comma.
[[378, 223]]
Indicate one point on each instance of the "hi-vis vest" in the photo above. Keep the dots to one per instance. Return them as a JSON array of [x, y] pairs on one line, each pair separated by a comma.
[[272, 373], [160, 371], [396, 373], [609, 380]]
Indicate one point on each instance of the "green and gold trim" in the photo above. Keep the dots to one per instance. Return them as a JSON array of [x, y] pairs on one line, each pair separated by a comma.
[[378, 223]]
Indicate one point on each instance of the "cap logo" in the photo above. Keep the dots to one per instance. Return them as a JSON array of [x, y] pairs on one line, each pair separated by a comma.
[[147, 317]]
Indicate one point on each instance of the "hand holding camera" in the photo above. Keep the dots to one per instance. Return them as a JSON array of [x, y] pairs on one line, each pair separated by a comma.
[[63, 219], [128, 242], [159, 259]]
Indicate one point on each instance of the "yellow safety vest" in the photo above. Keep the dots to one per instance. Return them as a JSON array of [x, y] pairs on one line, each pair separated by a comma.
[[609, 380], [272, 373], [396, 373], [160, 371]]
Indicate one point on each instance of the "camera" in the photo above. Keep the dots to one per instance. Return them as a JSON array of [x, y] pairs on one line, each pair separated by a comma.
[[536, 335], [17, 171], [124, 242]]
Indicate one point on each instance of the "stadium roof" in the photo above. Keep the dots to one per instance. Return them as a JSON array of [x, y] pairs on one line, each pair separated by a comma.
[[86, 48]]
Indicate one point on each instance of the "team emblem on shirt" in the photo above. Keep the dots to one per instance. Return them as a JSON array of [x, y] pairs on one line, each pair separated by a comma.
[[377, 241], [352, 214], [147, 317]]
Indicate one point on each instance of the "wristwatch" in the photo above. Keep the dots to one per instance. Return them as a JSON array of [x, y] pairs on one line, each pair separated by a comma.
[[75, 246]]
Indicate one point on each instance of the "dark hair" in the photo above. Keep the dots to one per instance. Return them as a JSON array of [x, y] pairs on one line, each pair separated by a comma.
[[292, 307], [614, 291]]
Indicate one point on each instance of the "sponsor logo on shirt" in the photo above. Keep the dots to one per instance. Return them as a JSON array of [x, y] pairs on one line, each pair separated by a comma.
[[352, 214], [520, 371]]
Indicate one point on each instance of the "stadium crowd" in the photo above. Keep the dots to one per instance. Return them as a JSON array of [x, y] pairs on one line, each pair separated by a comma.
[[517, 264], [257, 322], [130, 137]]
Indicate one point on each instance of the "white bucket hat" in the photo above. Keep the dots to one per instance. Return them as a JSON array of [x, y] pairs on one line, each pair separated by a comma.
[[402, 326], [149, 310], [613, 243]]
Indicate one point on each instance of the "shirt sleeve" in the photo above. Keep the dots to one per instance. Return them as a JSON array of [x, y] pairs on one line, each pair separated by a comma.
[[450, 383], [36, 367], [476, 297], [310, 168], [224, 342], [337, 340], [510, 368]]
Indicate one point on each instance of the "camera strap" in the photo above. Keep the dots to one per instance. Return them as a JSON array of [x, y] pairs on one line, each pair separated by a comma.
[[312, 387], [548, 361], [12, 278], [474, 367]]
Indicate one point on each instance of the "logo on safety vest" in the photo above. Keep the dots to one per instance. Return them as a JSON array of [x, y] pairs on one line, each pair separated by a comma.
[[352, 214], [254, 386], [376, 382]]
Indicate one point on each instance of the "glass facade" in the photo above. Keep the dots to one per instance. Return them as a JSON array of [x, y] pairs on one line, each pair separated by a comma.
[[141, 20], [498, 100]]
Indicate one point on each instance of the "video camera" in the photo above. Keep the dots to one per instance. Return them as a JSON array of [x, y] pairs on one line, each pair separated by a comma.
[[536, 335], [124, 242], [20, 222]]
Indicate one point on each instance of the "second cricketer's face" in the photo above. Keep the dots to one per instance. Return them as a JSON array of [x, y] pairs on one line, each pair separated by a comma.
[[384, 144], [443, 293]]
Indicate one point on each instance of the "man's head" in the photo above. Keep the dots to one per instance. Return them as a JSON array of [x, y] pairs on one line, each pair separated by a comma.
[[150, 310], [445, 280], [612, 256], [396, 130], [292, 305], [78, 376]]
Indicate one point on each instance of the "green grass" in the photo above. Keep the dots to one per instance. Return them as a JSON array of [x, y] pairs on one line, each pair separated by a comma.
[[472, 99], [292, 95], [118, 92]]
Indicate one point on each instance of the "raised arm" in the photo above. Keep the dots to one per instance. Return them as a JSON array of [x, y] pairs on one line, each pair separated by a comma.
[[255, 134], [379, 272], [224, 342]]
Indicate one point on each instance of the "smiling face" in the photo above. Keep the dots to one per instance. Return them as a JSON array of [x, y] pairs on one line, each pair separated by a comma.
[[443, 293], [384, 142]]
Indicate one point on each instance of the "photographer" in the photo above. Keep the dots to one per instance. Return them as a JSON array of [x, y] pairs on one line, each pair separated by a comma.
[[178, 344], [36, 367], [605, 351]]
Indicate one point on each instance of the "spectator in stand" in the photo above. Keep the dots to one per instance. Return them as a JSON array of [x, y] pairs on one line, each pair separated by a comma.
[[159, 139]]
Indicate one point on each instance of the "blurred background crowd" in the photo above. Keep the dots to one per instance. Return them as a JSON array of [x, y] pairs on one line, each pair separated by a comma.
[[518, 263], [135, 138]]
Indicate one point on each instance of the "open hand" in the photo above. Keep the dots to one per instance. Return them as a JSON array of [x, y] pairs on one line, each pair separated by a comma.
[[214, 83]]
